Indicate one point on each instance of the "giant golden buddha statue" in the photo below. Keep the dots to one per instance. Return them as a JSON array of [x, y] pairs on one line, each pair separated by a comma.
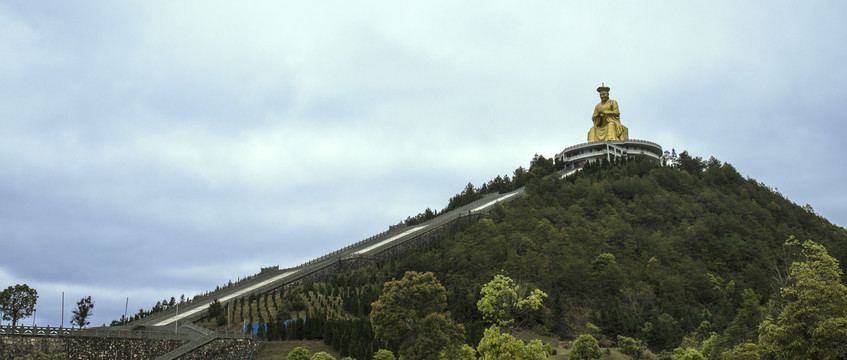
[[607, 119]]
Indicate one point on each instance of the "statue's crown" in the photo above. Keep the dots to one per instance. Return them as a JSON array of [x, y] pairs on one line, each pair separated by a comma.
[[603, 87]]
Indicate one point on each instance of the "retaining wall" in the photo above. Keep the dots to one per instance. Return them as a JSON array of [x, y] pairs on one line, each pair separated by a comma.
[[225, 349], [90, 348]]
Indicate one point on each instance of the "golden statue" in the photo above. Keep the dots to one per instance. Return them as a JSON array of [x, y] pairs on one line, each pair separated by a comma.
[[607, 119]]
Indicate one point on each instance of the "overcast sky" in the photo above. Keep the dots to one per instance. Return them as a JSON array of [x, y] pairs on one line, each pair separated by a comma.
[[155, 148]]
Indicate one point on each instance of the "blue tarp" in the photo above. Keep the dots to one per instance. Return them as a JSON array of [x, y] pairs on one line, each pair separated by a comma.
[[256, 326]]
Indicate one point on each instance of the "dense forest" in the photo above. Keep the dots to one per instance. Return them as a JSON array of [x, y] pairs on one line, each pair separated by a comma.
[[686, 255], [636, 249], [657, 253], [628, 243]]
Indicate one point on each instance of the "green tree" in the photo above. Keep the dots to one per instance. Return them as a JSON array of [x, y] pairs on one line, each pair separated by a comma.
[[437, 333], [746, 351], [84, 310], [607, 274], [693, 166], [503, 301], [17, 302], [687, 354], [631, 347], [383, 354], [216, 311], [411, 316], [322, 356], [499, 346], [813, 322], [585, 348], [261, 330], [744, 327], [463, 352], [298, 353]]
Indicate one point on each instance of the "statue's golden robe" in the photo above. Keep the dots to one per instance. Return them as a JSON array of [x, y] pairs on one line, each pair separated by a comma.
[[607, 123]]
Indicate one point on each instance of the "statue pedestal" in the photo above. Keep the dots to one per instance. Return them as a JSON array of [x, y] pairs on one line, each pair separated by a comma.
[[576, 156]]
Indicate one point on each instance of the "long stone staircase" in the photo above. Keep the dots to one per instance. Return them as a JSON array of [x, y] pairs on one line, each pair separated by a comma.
[[272, 278], [367, 248]]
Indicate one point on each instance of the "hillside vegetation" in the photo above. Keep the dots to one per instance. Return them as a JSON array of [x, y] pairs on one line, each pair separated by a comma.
[[634, 248], [671, 255]]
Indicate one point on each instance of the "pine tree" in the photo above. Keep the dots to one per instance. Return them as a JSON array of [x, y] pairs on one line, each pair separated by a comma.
[[261, 328], [83, 312]]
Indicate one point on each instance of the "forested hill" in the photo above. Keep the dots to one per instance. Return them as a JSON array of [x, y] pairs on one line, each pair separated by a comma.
[[634, 248], [690, 255]]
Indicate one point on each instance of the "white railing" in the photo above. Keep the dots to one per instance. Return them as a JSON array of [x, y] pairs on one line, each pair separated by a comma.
[[36, 330], [90, 332]]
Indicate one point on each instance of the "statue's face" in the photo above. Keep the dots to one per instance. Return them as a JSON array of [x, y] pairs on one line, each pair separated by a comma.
[[604, 95]]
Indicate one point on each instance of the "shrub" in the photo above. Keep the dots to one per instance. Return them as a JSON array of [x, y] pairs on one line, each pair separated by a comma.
[[585, 348], [383, 354], [299, 353]]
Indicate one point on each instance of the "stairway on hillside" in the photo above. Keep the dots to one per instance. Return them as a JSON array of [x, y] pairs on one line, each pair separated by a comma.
[[268, 280]]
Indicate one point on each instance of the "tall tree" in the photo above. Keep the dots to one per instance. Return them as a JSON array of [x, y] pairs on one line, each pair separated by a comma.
[[84, 310], [412, 312], [215, 309], [17, 302], [813, 322], [744, 327], [503, 301]]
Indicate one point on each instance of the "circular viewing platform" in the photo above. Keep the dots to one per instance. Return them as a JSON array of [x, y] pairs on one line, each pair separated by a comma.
[[576, 156]]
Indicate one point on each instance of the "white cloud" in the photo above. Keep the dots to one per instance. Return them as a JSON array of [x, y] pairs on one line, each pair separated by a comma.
[[303, 127], [15, 45]]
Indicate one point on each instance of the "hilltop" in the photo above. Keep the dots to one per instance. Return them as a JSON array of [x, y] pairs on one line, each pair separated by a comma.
[[623, 245]]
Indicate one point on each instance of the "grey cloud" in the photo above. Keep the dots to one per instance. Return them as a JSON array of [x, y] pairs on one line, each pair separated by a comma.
[[155, 149]]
